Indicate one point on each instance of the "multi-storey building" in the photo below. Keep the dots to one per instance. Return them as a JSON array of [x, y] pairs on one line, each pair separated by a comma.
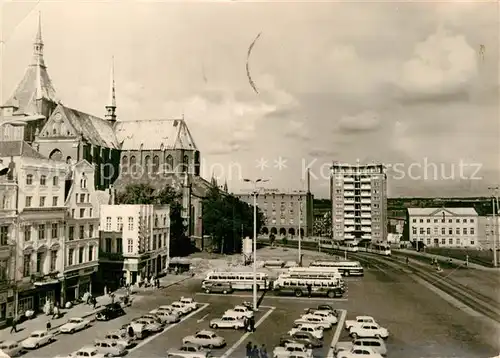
[[443, 227], [81, 232], [135, 242], [488, 232], [35, 228], [283, 210], [359, 202]]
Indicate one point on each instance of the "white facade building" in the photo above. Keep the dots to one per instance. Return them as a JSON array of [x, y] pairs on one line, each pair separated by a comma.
[[134, 241], [81, 233], [359, 202], [444, 227]]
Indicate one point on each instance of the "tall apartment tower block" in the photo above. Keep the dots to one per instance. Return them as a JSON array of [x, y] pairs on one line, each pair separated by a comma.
[[359, 202]]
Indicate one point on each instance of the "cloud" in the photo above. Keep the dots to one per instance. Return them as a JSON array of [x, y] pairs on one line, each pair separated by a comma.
[[362, 122], [443, 64], [297, 130]]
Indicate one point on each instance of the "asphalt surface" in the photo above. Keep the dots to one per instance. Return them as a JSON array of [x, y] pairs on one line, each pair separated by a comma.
[[421, 324]]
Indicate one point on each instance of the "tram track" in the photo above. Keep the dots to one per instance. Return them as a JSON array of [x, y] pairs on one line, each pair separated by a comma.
[[476, 301]]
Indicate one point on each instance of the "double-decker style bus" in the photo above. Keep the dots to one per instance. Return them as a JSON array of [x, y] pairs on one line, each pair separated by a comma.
[[238, 280], [346, 268], [322, 287]]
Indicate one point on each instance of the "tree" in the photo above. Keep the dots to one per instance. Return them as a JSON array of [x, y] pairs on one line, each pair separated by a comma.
[[226, 219], [146, 194]]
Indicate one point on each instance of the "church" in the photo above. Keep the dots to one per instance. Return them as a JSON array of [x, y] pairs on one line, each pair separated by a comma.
[[156, 151]]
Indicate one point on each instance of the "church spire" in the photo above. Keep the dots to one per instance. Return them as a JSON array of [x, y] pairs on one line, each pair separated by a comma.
[[38, 45], [111, 106]]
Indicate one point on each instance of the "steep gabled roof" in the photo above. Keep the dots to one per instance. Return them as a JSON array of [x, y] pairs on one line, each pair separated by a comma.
[[154, 134], [96, 130], [18, 149]]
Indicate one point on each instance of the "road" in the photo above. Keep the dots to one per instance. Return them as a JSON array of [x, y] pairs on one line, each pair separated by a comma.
[[421, 323]]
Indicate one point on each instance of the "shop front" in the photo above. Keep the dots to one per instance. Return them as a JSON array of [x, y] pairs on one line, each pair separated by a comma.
[[77, 282]]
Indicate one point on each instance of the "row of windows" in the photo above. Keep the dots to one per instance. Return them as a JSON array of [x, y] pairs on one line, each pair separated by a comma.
[[158, 241], [427, 231], [43, 201], [82, 233], [42, 230], [282, 221], [80, 259], [428, 220], [119, 223], [43, 180], [457, 241], [154, 165], [82, 212], [34, 263]]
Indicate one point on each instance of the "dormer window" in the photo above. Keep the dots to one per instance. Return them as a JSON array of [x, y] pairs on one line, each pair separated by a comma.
[[29, 179]]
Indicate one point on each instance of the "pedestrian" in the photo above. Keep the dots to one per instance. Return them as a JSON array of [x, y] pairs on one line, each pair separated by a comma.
[[252, 324], [309, 290], [407, 261], [130, 332], [14, 325], [263, 351], [94, 302], [112, 295], [255, 352], [248, 349], [55, 312], [49, 326], [245, 323]]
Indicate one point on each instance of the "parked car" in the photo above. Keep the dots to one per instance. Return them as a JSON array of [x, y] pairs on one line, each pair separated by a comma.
[[376, 344], [11, 348], [74, 324], [327, 316], [180, 307], [315, 330], [110, 347], [87, 352], [110, 311], [359, 321], [163, 308], [168, 317], [121, 338], [228, 321], [205, 338], [305, 338], [361, 352], [219, 287], [37, 339], [154, 318], [189, 302], [290, 349], [241, 311], [368, 330], [313, 319], [150, 325], [189, 351]]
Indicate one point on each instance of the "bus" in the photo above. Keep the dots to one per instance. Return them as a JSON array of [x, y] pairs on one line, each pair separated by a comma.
[[346, 268], [322, 287], [313, 275], [332, 272], [238, 280]]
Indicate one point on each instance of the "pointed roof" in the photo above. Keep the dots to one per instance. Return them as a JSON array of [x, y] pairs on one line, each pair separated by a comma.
[[112, 93], [36, 83], [154, 134]]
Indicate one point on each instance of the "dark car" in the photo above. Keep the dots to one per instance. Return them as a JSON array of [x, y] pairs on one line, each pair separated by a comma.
[[304, 338], [219, 287], [110, 311]]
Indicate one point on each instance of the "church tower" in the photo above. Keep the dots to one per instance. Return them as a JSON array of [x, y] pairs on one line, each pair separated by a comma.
[[111, 106], [34, 95]]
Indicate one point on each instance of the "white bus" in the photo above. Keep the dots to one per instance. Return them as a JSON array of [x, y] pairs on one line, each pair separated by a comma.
[[346, 268], [315, 275], [325, 287], [238, 280], [332, 272]]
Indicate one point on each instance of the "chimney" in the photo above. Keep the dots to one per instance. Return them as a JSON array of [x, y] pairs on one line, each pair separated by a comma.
[[308, 181]]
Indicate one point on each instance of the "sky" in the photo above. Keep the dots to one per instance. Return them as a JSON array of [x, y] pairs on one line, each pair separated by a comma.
[[412, 85]]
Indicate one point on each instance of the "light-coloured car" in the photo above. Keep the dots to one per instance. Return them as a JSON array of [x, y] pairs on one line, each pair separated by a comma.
[[291, 348], [154, 317], [150, 325], [327, 316], [358, 321], [189, 351], [180, 307], [87, 352], [110, 347], [163, 308], [315, 330], [368, 330], [37, 339], [313, 319], [359, 352], [74, 324], [11, 348], [189, 302], [120, 338], [228, 321], [205, 338], [241, 311], [376, 344], [168, 317]]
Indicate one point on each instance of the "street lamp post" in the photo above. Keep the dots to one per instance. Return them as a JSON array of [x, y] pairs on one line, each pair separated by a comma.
[[494, 200], [254, 193]]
